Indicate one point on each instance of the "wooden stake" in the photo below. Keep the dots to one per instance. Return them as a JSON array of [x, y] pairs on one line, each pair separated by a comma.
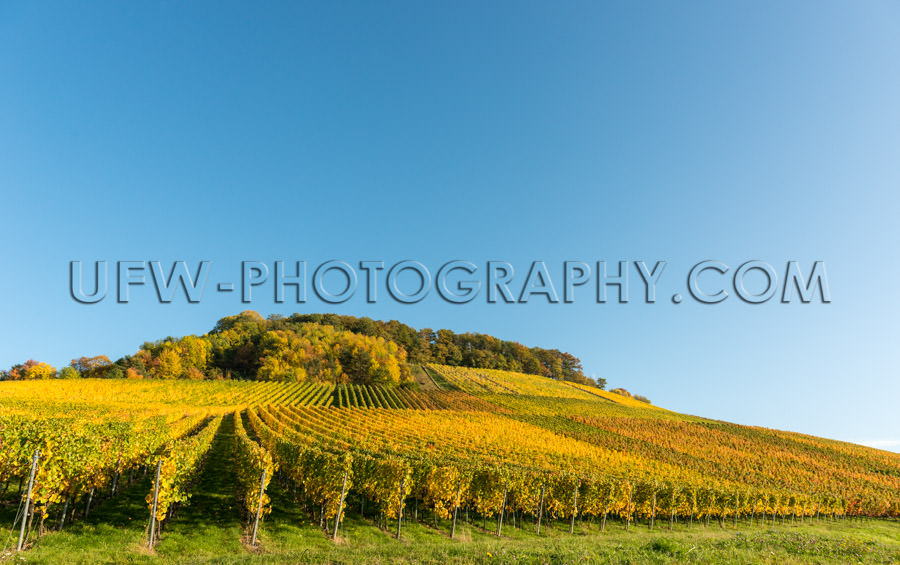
[[540, 510], [155, 502], [87, 508], [62, 518], [574, 510], [34, 462], [400, 509], [262, 489], [455, 511], [337, 519], [115, 481], [502, 509]]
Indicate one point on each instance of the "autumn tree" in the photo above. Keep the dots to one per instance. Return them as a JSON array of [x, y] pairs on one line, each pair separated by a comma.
[[336, 349], [92, 367], [31, 370]]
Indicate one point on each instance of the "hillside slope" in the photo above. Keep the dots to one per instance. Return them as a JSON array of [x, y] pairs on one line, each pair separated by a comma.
[[495, 444]]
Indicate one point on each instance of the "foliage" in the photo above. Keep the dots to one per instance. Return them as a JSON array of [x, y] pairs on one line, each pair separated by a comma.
[[92, 367], [251, 461], [178, 465], [466, 350], [327, 348], [68, 373], [30, 370]]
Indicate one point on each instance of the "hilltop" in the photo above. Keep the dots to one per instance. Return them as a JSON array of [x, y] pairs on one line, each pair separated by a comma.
[[318, 348]]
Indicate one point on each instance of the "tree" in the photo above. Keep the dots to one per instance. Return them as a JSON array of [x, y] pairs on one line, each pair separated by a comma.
[[331, 348], [167, 365], [92, 367], [31, 370], [68, 373]]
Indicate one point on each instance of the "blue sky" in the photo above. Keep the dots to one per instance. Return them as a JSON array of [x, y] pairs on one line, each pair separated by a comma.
[[510, 130]]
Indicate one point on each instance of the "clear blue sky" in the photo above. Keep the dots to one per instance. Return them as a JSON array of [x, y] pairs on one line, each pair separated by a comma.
[[502, 130]]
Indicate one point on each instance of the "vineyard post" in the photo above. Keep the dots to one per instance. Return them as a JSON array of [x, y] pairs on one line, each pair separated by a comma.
[[737, 504], [455, 511], [62, 518], [87, 507], [693, 502], [34, 462], [337, 519], [603, 522], [540, 510], [671, 514], [400, 508], [262, 490], [653, 511], [574, 510], [115, 480], [155, 501], [502, 509], [628, 508]]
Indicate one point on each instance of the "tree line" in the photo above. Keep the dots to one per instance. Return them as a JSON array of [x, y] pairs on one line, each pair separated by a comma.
[[468, 349], [325, 348]]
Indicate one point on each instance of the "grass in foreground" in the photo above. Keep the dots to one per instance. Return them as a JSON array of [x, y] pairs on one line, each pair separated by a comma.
[[207, 533]]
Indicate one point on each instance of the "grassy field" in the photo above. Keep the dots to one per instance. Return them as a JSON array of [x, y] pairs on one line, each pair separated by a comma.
[[209, 530]]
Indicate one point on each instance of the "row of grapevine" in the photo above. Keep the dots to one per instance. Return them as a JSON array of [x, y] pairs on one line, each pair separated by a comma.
[[496, 381], [499, 439], [470, 380], [80, 458], [374, 396], [447, 481], [377, 396], [502, 455], [611, 396], [254, 468], [181, 393], [175, 469]]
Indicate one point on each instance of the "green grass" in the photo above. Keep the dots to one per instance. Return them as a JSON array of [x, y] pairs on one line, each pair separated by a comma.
[[209, 531]]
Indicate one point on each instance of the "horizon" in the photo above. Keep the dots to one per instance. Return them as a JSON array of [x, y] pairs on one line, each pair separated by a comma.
[[890, 446]]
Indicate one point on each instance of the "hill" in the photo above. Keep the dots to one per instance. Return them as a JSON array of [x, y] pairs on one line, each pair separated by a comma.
[[480, 453], [318, 348]]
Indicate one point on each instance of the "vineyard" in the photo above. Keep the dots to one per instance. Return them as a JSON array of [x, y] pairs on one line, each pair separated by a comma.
[[495, 452]]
